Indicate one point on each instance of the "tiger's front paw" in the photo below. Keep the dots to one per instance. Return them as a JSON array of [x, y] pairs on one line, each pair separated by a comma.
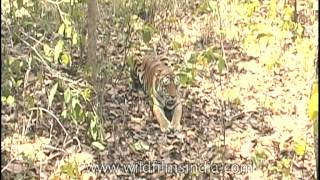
[[165, 127], [176, 126]]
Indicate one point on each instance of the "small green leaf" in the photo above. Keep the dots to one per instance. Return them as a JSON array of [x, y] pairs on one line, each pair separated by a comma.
[[257, 159], [74, 102], [189, 67], [66, 59], [221, 64], [130, 61], [209, 55], [146, 35], [3, 99], [67, 21], [86, 94], [288, 13], [183, 78], [68, 31], [10, 100], [61, 29], [69, 169], [74, 38], [52, 93], [313, 103], [94, 133], [67, 95], [47, 50], [190, 77], [285, 163], [141, 146], [260, 35], [93, 122], [93, 125], [212, 6], [193, 58], [64, 114], [176, 45], [98, 145], [18, 83], [58, 50], [77, 112], [300, 147]]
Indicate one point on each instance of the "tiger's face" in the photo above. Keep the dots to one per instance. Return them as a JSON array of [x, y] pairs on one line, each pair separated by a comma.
[[168, 90]]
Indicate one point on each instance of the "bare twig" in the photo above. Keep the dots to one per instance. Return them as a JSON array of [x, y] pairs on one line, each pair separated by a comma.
[[26, 77], [222, 103], [25, 127], [60, 13], [58, 7], [53, 156], [72, 82], [71, 140], [51, 128], [54, 116], [34, 39], [52, 72], [47, 146], [78, 141], [55, 2], [220, 35], [6, 167], [38, 54]]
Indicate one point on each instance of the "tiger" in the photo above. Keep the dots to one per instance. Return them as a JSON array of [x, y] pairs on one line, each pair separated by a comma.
[[161, 85]]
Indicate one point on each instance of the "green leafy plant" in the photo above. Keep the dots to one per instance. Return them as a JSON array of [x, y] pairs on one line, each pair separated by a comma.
[[13, 70], [73, 109], [147, 32], [200, 61], [140, 146], [300, 146], [188, 72], [259, 157], [67, 33], [283, 167], [71, 169]]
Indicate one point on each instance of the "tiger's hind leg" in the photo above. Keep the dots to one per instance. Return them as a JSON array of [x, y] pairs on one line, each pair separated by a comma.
[[176, 118]]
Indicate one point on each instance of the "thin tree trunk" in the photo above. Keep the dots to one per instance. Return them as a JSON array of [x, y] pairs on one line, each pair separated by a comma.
[[92, 18]]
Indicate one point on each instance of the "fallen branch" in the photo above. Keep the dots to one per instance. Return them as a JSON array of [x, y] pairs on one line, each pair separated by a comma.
[[6, 167], [38, 54], [52, 72], [54, 116]]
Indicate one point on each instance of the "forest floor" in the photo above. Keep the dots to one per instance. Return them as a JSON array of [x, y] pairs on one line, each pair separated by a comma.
[[257, 131]]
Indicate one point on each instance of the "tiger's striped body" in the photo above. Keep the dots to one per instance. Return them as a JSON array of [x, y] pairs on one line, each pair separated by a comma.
[[159, 82]]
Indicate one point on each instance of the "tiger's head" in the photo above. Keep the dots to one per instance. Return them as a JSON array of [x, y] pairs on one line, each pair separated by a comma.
[[167, 90]]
